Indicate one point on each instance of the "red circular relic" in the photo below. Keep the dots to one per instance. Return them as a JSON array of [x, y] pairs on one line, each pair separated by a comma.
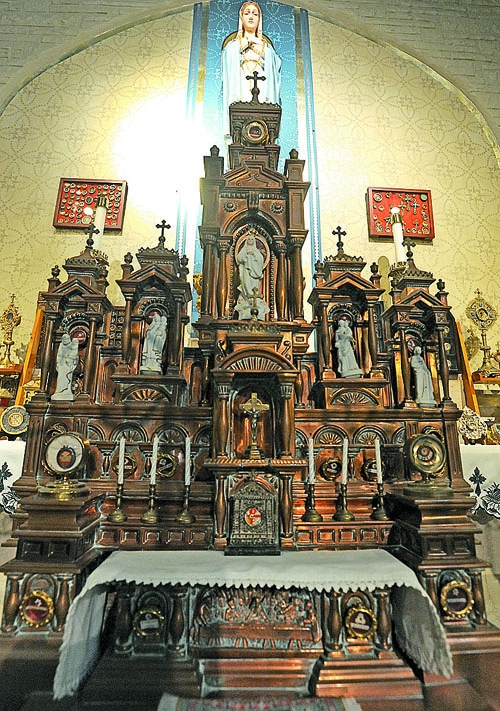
[[37, 608], [66, 457], [253, 516]]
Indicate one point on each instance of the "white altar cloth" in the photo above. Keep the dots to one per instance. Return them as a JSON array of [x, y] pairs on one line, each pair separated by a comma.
[[417, 625], [481, 465]]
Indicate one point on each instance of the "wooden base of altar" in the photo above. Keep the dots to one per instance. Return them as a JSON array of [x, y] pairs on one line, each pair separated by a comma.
[[370, 684]]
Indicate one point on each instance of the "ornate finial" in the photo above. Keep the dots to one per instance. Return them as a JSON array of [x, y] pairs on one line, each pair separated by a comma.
[[162, 226], [91, 230], [339, 232], [55, 271], [255, 89], [440, 285], [9, 320], [294, 154], [128, 258], [214, 151], [184, 271], [374, 268], [408, 244]]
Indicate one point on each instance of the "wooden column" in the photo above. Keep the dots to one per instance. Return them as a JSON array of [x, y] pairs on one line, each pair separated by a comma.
[[223, 281], [47, 352], [89, 368], [287, 419], [281, 283], [297, 280], [221, 420], [444, 370]]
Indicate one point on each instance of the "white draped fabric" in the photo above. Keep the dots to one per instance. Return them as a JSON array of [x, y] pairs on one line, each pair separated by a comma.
[[236, 87], [417, 625]]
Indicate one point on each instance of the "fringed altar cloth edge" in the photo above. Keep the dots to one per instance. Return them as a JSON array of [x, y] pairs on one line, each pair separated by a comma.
[[418, 628]]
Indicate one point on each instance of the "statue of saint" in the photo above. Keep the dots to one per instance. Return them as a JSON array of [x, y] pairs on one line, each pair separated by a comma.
[[153, 345], [244, 52], [67, 360], [348, 367], [250, 262], [424, 391]]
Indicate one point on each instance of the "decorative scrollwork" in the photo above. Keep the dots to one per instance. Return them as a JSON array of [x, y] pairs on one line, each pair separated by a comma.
[[330, 437], [146, 395], [353, 397]]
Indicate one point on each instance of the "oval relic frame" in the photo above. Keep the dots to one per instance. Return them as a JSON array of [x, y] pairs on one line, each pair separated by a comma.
[[66, 453], [355, 626], [255, 132], [148, 622], [28, 605], [444, 599]]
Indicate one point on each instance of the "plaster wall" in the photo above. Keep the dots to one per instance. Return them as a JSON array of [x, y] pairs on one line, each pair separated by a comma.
[[116, 110]]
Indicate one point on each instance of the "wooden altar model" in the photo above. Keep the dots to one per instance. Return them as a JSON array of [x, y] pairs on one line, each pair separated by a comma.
[[236, 421]]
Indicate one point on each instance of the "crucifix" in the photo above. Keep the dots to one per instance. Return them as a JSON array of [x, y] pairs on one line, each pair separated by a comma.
[[90, 231], [339, 233], [254, 408], [162, 226], [255, 89]]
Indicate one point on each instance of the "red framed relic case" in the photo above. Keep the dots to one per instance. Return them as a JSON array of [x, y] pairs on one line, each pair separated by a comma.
[[77, 198], [415, 207]]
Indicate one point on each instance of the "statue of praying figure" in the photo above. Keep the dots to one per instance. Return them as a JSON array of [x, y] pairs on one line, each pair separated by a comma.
[[250, 262], [153, 345], [67, 360], [424, 391], [244, 52], [347, 365]]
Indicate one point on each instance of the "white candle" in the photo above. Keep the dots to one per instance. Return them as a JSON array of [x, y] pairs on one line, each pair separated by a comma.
[[378, 461], [397, 233], [187, 462], [345, 460], [154, 459], [121, 460], [311, 471], [99, 220]]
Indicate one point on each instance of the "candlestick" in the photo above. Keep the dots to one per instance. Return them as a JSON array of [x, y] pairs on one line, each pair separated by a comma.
[[311, 515], [187, 462], [151, 515], [121, 460], [397, 233], [342, 513], [378, 460], [99, 220], [154, 459], [118, 515], [345, 460], [185, 515], [379, 512], [311, 474]]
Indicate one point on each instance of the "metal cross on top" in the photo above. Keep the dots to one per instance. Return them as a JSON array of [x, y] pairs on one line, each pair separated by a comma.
[[339, 232], [162, 226], [255, 89], [90, 231]]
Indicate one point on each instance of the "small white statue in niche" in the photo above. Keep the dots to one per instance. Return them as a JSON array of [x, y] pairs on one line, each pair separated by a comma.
[[67, 360], [424, 391], [347, 364], [154, 342], [250, 261]]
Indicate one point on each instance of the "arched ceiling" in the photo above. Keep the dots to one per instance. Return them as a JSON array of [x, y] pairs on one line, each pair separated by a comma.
[[458, 40]]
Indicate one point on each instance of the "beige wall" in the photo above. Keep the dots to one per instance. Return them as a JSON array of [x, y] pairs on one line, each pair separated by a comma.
[[113, 111]]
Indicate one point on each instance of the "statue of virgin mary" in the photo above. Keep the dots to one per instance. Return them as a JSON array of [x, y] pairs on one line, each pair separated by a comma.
[[244, 52]]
